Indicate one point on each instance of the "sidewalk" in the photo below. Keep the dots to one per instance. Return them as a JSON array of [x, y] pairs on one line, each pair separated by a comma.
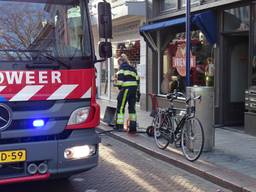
[[231, 164]]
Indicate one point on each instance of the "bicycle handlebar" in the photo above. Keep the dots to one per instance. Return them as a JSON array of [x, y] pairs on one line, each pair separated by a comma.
[[175, 95], [181, 96], [199, 97]]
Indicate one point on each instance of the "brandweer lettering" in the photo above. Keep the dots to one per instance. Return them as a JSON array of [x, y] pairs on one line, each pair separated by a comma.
[[30, 77]]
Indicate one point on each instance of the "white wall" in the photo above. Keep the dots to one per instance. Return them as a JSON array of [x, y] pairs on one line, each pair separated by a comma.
[[142, 68], [124, 29]]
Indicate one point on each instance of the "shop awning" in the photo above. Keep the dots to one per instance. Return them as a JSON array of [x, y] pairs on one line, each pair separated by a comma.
[[163, 24], [205, 21]]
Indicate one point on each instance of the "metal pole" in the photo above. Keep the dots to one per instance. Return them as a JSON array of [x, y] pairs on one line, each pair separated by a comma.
[[188, 42]]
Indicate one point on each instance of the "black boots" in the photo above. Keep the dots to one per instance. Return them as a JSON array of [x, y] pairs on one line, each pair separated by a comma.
[[132, 127], [119, 127]]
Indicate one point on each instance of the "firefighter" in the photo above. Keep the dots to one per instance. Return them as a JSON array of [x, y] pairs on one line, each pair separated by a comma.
[[127, 82]]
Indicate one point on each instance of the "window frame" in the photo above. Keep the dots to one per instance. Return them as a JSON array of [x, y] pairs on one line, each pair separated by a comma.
[[198, 2], [223, 30], [169, 9]]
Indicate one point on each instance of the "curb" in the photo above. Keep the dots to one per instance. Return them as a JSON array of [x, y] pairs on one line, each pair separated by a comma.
[[218, 175]]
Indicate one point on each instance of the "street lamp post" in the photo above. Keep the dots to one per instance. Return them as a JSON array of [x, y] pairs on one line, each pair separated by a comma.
[[188, 42]]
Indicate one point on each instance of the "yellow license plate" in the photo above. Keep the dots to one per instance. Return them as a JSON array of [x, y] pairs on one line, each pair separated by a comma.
[[12, 156]]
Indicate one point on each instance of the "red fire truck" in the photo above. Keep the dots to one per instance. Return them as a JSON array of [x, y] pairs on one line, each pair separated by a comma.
[[48, 109]]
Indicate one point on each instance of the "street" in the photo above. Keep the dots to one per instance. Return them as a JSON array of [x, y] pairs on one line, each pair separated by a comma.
[[146, 96], [123, 168]]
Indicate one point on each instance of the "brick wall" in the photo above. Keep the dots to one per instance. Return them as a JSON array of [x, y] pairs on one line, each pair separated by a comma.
[[132, 51]]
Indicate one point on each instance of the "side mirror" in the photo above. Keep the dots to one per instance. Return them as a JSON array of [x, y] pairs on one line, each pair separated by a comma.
[[105, 20], [105, 49]]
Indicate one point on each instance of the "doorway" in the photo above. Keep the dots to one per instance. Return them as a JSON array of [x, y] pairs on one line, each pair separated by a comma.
[[104, 80], [235, 77], [107, 89]]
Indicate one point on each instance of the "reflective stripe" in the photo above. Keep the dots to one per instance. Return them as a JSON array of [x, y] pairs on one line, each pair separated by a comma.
[[87, 94], [120, 116], [126, 84], [119, 83], [123, 100], [2, 88], [62, 92], [128, 72], [133, 116], [26, 93], [120, 119], [129, 83]]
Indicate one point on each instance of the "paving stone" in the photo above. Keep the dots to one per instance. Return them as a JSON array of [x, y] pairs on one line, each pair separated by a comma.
[[233, 150]]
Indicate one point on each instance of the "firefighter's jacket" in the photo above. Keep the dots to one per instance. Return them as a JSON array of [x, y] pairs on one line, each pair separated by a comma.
[[127, 77]]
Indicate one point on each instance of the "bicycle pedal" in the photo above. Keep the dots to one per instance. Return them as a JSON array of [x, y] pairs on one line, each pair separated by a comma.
[[171, 139]]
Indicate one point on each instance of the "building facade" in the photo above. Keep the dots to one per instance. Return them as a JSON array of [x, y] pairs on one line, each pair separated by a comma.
[[127, 17], [223, 39]]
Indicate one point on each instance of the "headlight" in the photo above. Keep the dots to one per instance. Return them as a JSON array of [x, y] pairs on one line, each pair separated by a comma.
[[79, 152], [79, 116]]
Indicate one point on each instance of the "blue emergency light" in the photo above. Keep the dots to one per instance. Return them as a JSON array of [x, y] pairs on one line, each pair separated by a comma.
[[38, 123]]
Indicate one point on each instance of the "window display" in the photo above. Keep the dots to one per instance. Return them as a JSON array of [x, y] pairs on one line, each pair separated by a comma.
[[132, 50], [173, 68]]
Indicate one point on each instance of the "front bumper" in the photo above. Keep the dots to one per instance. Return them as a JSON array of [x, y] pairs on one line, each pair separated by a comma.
[[52, 153]]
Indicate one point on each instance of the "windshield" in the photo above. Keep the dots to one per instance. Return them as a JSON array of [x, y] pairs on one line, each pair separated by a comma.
[[55, 27]]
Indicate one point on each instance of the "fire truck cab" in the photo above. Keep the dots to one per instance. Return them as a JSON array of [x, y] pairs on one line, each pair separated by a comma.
[[48, 109]]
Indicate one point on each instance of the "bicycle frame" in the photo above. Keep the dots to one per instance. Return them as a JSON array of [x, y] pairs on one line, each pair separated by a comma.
[[176, 125], [189, 114]]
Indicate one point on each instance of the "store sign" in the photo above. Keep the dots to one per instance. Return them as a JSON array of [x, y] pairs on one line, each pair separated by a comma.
[[179, 61]]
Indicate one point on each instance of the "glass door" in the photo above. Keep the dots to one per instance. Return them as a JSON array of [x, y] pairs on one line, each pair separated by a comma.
[[236, 51], [113, 71], [235, 78], [104, 80]]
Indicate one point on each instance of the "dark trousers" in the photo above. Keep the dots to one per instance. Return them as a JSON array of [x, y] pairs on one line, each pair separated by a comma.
[[124, 96]]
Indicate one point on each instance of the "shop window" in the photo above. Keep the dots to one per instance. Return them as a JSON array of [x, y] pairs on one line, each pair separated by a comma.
[[237, 19], [173, 67], [165, 74], [132, 50], [168, 4]]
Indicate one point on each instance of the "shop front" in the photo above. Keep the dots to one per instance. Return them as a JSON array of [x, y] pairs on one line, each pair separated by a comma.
[[167, 40], [108, 70], [126, 39], [222, 56], [250, 96], [234, 64]]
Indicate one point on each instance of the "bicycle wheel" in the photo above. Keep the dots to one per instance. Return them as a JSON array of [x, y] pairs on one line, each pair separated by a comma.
[[192, 139], [160, 131]]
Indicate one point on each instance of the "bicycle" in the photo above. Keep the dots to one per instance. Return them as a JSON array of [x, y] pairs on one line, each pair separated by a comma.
[[179, 126]]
